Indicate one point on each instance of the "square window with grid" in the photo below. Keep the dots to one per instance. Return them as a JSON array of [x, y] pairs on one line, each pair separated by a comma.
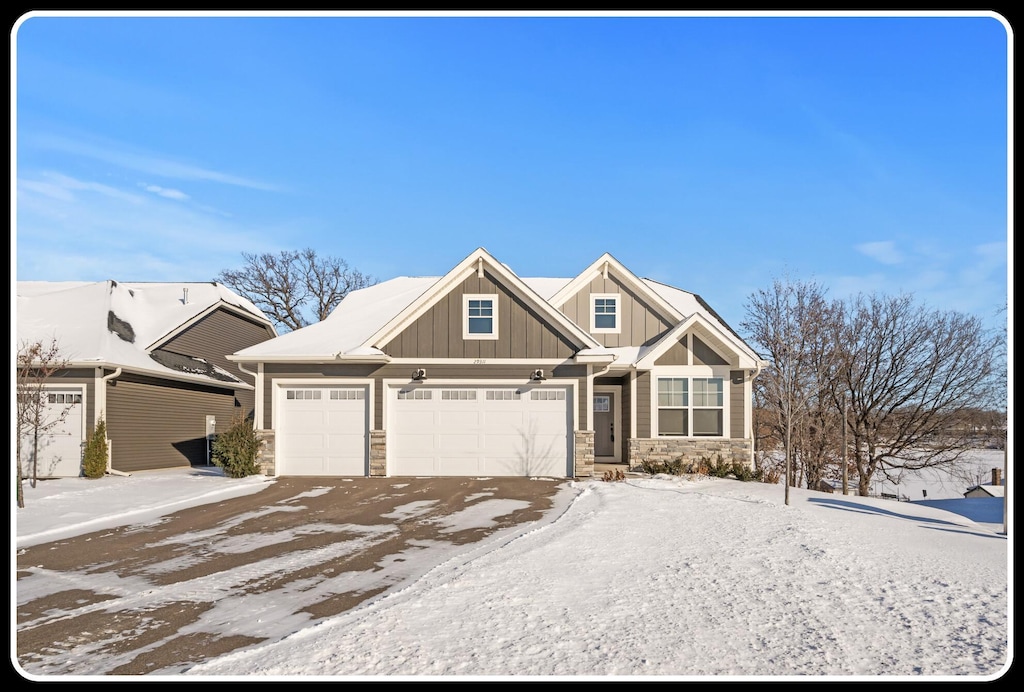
[[547, 394], [338, 394], [458, 394], [415, 394], [502, 394]]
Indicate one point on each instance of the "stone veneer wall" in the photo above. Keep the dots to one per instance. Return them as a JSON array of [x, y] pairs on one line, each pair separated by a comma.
[[662, 449], [378, 453], [265, 455], [583, 463]]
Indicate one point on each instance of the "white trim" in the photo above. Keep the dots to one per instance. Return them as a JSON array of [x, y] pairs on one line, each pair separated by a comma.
[[689, 372], [616, 390], [483, 361], [601, 267], [257, 413], [747, 360], [632, 403], [322, 359], [459, 273], [480, 336], [594, 329]]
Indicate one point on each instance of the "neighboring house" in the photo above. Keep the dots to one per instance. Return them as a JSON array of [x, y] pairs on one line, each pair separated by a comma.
[[994, 489], [484, 372], [149, 358]]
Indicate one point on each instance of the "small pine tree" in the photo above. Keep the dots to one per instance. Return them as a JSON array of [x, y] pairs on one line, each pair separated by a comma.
[[94, 462], [236, 449]]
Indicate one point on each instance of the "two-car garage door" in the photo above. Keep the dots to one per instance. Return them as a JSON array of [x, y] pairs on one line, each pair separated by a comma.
[[478, 430], [432, 430]]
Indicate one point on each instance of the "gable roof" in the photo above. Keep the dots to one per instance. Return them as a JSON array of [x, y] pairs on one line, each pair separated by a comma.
[[115, 324], [603, 265], [476, 261], [366, 319]]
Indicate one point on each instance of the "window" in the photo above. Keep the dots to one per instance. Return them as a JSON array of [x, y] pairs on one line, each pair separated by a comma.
[[480, 316], [677, 410], [547, 395], [415, 394], [673, 399], [458, 394], [604, 313], [708, 400]]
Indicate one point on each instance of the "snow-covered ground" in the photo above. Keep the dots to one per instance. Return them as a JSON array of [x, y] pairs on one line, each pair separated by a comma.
[[649, 578]]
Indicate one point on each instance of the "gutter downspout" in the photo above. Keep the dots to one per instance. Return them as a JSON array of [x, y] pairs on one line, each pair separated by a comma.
[[103, 382]]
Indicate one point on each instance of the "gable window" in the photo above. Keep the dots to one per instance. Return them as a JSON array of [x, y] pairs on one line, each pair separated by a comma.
[[604, 313], [691, 407], [480, 316]]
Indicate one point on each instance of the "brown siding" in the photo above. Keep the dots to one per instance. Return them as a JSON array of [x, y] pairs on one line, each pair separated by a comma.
[[675, 355], [640, 322], [522, 331], [215, 337], [737, 404], [705, 355], [153, 424], [643, 404], [518, 374]]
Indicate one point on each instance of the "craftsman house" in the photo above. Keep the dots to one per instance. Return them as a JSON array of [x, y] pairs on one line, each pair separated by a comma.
[[484, 372]]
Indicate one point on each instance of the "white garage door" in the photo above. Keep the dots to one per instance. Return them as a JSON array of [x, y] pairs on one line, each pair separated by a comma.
[[60, 442], [479, 431], [322, 431]]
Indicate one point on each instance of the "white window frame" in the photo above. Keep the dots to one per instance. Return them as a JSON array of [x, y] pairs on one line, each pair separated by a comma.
[[691, 373], [594, 329], [493, 297]]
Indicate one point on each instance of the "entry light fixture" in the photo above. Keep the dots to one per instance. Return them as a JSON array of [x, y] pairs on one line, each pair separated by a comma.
[[537, 376], [419, 375]]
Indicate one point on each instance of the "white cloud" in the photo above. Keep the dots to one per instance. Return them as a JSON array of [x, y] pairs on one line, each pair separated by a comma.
[[883, 251], [168, 192], [155, 164]]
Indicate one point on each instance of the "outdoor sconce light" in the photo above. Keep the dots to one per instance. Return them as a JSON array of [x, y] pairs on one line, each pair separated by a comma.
[[419, 375], [537, 376]]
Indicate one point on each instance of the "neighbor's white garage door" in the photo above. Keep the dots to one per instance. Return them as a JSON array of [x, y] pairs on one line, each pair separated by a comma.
[[60, 443], [471, 431], [322, 431]]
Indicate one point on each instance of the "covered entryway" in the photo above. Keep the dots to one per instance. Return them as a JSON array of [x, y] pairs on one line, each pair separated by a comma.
[[60, 439], [322, 430], [479, 430]]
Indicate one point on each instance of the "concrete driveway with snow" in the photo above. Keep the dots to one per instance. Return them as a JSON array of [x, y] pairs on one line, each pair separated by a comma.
[[161, 596]]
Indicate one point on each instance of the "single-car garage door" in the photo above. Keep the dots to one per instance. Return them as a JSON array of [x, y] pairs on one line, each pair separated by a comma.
[[61, 434], [322, 431], [479, 430]]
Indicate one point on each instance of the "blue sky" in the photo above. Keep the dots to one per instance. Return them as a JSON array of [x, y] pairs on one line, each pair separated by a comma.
[[711, 153]]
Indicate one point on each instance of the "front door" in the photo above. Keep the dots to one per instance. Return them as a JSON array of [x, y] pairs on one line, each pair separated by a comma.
[[604, 425]]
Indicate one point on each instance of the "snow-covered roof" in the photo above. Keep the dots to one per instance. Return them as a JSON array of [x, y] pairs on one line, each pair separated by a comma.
[[992, 490], [362, 313], [120, 323]]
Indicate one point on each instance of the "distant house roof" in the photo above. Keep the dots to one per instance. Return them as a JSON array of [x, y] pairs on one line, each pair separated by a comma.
[[983, 490], [111, 323]]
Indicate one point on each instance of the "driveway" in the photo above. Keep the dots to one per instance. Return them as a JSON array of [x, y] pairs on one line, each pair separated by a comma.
[[160, 597]]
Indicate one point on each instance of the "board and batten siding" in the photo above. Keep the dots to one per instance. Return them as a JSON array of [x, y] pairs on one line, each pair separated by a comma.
[[703, 354], [436, 374], [153, 424], [522, 331], [677, 354], [641, 324], [216, 336]]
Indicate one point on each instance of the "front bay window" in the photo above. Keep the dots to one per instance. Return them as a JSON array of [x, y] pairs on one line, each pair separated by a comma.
[[678, 410]]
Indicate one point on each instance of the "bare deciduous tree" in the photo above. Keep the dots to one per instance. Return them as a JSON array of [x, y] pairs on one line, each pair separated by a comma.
[[790, 322], [912, 376], [294, 288], [37, 362]]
